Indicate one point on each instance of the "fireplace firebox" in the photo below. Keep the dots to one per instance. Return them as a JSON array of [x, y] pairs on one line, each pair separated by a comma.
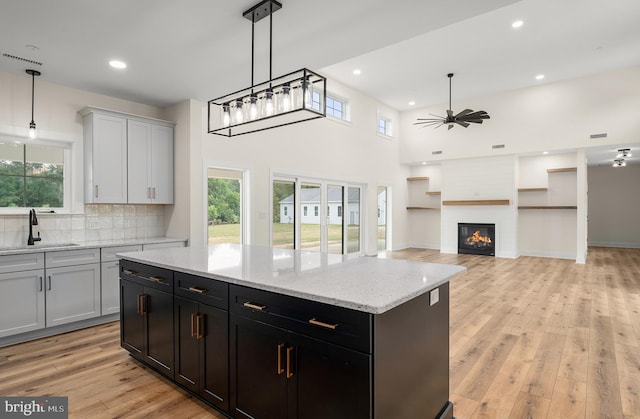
[[477, 239]]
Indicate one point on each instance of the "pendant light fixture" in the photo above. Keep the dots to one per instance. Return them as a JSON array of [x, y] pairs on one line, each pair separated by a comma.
[[295, 97], [33, 134]]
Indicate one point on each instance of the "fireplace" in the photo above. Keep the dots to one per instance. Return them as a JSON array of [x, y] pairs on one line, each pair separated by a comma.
[[477, 239]]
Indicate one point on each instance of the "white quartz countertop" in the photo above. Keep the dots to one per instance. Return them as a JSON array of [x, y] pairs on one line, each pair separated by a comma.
[[52, 247], [368, 284]]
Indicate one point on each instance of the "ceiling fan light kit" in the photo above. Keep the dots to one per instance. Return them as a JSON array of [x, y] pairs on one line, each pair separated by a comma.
[[463, 118], [295, 97]]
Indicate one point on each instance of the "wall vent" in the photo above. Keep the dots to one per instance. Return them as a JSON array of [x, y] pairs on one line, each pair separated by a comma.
[[26, 60], [494, 146], [596, 136], [436, 152]]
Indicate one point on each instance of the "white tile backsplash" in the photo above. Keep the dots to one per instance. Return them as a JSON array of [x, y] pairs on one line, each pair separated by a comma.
[[99, 222]]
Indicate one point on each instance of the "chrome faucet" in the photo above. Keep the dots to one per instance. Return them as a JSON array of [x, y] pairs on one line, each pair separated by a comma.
[[33, 221]]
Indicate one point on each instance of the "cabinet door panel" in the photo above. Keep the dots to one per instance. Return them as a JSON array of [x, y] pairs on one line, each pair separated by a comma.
[[187, 367], [21, 302], [109, 159], [214, 355], [257, 390], [160, 330], [162, 164], [110, 287], [139, 171], [131, 321], [330, 381], [73, 293]]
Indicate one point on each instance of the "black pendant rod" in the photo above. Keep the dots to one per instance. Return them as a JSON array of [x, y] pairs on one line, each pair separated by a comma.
[[33, 74], [270, 40], [450, 75], [253, 30]]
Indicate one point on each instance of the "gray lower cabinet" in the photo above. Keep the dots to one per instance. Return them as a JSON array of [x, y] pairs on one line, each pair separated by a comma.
[[22, 306], [110, 274], [72, 285]]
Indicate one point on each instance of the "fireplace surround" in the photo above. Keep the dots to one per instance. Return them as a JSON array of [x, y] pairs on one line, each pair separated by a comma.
[[477, 239]]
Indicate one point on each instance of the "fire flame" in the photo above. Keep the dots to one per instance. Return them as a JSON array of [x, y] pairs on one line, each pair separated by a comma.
[[477, 238]]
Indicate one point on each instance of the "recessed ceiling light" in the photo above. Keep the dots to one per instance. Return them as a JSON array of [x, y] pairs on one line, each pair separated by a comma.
[[412, 103], [118, 64], [517, 24], [545, 152], [357, 72], [424, 163], [540, 77]]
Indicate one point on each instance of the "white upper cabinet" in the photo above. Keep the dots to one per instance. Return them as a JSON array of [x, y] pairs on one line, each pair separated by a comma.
[[150, 163], [128, 159], [105, 158]]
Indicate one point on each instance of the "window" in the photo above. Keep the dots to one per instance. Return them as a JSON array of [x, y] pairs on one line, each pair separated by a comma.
[[286, 212], [315, 101], [315, 210], [339, 210], [384, 126], [304, 210], [31, 176], [335, 107], [224, 205], [328, 211]]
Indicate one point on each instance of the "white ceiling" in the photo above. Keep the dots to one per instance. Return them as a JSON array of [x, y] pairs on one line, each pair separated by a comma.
[[201, 49]]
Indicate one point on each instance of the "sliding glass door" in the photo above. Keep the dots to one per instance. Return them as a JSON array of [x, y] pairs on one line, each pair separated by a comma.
[[316, 215]]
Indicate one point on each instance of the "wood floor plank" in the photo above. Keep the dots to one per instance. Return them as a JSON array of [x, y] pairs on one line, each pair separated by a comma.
[[529, 337]]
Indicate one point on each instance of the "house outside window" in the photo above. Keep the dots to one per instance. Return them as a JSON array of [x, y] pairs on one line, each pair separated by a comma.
[[315, 210], [339, 210], [286, 212], [304, 210]]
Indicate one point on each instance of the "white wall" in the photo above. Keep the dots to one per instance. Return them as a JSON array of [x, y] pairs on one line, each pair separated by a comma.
[[552, 117], [614, 206], [480, 179], [424, 226]]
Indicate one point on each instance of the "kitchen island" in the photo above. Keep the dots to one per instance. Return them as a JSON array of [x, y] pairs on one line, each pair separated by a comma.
[[261, 332]]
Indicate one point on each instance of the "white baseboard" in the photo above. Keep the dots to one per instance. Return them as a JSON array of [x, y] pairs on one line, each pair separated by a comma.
[[615, 244]]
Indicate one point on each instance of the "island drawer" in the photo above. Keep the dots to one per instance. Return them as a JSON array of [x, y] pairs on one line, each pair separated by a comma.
[[149, 276], [338, 325], [203, 290]]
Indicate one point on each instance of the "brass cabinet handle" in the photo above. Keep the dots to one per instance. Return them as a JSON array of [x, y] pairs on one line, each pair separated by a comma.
[[199, 326], [323, 324], [289, 373], [280, 369], [254, 306], [156, 279], [138, 305], [129, 272], [193, 320], [142, 304], [198, 290]]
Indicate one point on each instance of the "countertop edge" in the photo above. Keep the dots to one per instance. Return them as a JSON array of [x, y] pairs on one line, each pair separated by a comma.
[[77, 245]]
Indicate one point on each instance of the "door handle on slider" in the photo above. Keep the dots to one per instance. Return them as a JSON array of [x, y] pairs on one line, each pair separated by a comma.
[[280, 369], [254, 306], [289, 373], [323, 324]]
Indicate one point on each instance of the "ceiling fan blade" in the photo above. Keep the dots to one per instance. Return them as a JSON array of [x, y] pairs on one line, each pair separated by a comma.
[[463, 113], [464, 124]]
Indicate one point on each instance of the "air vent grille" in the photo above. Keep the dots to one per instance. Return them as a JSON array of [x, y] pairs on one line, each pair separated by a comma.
[[494, 146], [436, 152], [596, 136], [26, 60]]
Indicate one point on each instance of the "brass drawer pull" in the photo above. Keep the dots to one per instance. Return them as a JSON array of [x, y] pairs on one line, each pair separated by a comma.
[[254, 306], [193, 327], [198, 290], [323, 324], [280, 369], [199, 326], [156, 279], [289, 373], [129, 272]]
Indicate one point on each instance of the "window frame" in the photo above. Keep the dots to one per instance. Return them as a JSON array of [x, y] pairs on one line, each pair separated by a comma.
[[67, 178], [388, 133]]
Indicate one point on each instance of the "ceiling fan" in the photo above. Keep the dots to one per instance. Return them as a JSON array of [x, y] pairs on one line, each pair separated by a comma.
[[463, 118]]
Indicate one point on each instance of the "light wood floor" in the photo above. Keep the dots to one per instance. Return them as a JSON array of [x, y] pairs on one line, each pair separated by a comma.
[[530, 338]]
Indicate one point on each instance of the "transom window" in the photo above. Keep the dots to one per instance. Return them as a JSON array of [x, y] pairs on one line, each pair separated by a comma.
[[384, 126], [335, 107], [31, 176]]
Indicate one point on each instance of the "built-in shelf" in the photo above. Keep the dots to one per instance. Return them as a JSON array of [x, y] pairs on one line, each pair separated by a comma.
[[433, 193], [423, 208], [548, 207], [562, 169], [532, 189], [413, 179], [478, 202]]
